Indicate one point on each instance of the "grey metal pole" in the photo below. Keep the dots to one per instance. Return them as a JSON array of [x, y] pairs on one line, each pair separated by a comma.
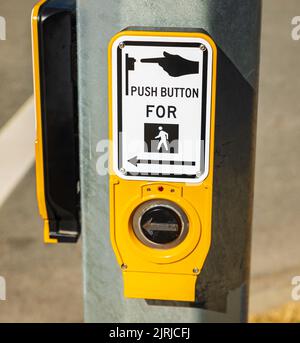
[[222, 287]]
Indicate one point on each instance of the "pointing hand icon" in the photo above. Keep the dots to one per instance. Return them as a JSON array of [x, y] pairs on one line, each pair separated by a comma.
[[174, 65]]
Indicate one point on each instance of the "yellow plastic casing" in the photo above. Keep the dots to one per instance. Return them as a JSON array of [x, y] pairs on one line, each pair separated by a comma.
[[154, 273], [38, 120]]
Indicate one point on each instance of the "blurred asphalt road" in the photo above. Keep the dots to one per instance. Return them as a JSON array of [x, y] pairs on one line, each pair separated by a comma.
[[44, 283], [15, 57], [276, 225]]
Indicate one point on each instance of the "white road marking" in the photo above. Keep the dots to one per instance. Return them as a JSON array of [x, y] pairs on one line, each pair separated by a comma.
[[16, 148]]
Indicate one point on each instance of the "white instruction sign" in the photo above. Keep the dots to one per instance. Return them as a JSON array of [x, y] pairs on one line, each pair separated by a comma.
[[161, 103]]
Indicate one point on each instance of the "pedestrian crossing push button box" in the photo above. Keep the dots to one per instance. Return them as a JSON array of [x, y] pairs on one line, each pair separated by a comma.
[[57, 141], [162, 89]]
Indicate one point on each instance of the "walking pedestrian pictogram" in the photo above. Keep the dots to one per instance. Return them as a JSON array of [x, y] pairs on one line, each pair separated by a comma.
[[163, 139]]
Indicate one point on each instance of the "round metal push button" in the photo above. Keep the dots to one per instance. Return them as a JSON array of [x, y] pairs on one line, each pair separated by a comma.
[[160, 224]]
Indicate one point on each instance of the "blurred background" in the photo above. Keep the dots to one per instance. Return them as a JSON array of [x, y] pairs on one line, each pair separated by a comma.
[[44, 283]]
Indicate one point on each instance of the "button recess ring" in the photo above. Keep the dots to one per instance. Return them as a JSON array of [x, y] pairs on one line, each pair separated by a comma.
[[160, 224]]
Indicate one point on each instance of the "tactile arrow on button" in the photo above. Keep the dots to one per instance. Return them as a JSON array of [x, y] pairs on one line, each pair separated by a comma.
[[149, 226]]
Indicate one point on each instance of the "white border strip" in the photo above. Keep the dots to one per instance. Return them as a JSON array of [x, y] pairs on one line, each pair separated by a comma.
[[16, 148]]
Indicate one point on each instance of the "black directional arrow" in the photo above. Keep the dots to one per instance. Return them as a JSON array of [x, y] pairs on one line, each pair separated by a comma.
[[135, 161]]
